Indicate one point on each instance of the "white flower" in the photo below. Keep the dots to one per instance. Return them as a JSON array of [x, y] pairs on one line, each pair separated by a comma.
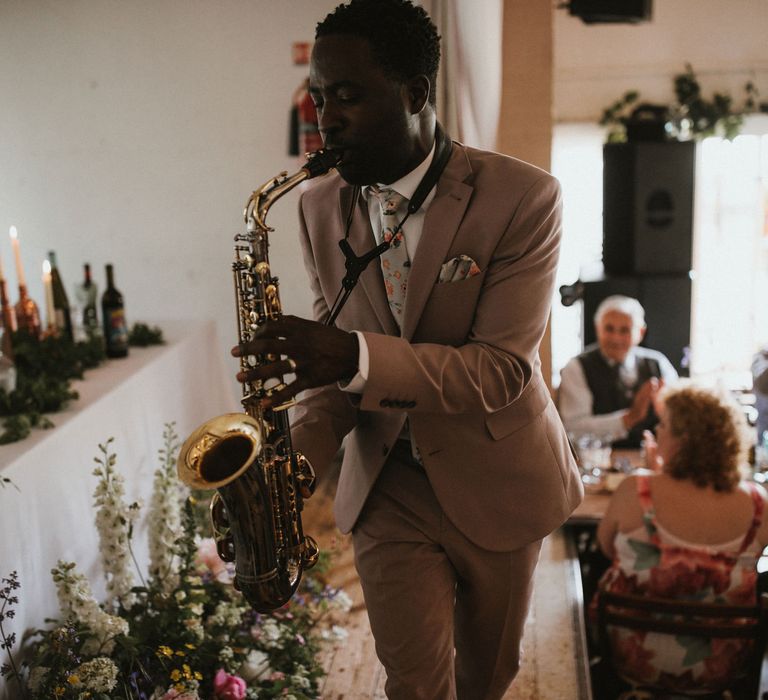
[[340, 633], [227, 614], [255, 666], [341, 601], [77, 602], [269, 633], [164, 518], [114, 521], [97, 675], [299, 678]]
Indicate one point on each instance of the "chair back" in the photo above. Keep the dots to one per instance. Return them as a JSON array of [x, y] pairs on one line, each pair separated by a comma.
[[690, 619]]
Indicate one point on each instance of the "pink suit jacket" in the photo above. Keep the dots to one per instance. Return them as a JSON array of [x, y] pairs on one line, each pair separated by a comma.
[[466, 371]]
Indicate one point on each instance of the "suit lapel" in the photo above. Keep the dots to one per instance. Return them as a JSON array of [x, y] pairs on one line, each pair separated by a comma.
[[440, 226], [362, 240]]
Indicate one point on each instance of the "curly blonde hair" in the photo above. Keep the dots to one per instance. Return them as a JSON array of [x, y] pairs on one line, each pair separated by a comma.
[[711, 428]]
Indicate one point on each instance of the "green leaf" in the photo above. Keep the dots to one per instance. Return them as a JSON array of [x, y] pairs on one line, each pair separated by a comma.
[[648, 555], [697, 649]]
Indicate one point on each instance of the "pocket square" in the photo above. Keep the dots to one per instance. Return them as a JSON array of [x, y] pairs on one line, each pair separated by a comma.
[[459, 268]]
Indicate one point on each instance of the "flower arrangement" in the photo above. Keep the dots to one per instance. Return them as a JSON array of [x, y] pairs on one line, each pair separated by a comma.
[[184, 633]]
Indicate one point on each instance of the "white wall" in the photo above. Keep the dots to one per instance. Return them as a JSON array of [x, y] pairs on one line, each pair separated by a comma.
[[726, 43], [133, 131]]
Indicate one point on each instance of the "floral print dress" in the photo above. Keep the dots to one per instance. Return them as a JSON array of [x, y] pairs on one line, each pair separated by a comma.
[[651, 561]]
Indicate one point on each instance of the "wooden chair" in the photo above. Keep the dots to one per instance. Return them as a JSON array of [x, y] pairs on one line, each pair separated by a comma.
[[677, 617]]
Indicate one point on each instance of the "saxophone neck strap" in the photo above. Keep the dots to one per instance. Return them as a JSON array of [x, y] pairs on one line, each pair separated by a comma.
[[356, 264]]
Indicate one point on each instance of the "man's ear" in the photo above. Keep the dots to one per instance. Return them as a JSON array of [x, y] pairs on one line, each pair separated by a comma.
[[641, 334], [417, 90]]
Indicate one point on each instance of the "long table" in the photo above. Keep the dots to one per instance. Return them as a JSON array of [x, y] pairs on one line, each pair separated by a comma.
[[46, 514]]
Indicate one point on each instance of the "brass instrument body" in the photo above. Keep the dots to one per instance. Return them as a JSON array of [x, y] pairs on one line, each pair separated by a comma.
[[248, 457]]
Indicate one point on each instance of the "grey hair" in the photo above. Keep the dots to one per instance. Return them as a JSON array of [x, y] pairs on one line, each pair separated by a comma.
[[625, 305]]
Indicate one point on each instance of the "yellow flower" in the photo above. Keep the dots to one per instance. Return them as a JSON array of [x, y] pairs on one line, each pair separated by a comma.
[[74, 679], [179, 653], [175, 675], [198, 676], [190, 646], [58, 691], [164, 651]]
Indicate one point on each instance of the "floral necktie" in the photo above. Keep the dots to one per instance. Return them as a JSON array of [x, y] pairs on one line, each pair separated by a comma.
[[395, 264]]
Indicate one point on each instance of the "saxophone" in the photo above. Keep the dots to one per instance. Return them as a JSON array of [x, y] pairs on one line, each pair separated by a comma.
[[247, 457]]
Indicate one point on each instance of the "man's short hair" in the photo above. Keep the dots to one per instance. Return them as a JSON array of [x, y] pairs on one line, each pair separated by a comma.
[[403, 38], [625, 305]]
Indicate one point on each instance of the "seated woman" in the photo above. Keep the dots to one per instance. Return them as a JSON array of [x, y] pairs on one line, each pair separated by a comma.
[[690, 530]]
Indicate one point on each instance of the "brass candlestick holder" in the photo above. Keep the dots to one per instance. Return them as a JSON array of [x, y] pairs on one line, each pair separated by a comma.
[[27, 314], [8, 319]]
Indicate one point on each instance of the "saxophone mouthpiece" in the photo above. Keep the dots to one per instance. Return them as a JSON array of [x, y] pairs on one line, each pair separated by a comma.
[[320, 162]]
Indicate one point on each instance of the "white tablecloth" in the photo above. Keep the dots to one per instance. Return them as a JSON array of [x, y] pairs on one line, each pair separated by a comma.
[[50, 516]]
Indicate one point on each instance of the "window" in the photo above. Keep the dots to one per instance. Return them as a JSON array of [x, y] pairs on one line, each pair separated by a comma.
[[730, 286]]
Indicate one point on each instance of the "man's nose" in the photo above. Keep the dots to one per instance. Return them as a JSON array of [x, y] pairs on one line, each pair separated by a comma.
[[329, 119]]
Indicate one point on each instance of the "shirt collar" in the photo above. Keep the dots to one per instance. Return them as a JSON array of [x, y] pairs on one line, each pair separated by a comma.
[[630, 361], [407, 184]]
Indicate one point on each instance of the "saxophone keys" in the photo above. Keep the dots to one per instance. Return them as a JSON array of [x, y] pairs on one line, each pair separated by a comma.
[[305, 476], [310, 552]]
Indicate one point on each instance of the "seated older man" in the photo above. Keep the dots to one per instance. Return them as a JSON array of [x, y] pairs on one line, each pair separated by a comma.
[[609, 389]]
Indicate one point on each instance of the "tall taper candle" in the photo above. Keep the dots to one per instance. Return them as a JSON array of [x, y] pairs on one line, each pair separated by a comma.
[[50, 313], [17, 253]]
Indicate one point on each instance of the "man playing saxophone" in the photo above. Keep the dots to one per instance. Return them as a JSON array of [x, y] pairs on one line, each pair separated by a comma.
[[456, 464]]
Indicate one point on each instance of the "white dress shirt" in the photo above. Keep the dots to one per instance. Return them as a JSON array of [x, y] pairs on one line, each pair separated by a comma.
[[575, 397], [406, 186]]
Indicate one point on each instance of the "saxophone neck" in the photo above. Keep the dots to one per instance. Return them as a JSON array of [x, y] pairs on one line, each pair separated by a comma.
[[260, 201]]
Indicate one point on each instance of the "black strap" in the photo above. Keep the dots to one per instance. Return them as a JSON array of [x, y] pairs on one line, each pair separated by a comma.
[[354, 264]]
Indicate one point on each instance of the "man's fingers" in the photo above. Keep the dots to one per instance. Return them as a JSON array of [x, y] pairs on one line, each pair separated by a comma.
[[267, 371], [284, 395]]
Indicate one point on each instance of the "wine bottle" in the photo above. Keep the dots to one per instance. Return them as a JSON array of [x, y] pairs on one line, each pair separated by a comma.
[[113, 318], [86, 294], [62, 315]]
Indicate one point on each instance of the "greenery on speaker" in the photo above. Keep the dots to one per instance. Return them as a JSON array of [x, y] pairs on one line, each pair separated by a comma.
[[692, 115]]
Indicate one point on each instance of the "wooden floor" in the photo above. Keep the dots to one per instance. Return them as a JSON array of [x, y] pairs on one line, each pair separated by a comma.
[[354, 672]]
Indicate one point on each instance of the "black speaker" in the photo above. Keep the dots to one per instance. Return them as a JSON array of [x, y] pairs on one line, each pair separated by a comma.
[[648, 207], [667, 303], [598, 11]]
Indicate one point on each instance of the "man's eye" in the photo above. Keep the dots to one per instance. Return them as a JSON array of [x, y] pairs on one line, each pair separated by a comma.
[[346, 98]]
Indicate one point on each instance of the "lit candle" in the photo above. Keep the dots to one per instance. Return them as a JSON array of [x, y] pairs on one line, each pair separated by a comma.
[[50, 314], [17, 253]]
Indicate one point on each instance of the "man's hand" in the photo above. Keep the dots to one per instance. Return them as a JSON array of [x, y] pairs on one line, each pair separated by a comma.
[[644, 398], [316, 354]]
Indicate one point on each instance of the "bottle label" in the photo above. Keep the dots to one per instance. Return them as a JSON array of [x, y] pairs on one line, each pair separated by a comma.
[[117, 330]]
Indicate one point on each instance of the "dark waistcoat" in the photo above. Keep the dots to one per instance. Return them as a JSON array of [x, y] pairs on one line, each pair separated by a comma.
[[610, 394]]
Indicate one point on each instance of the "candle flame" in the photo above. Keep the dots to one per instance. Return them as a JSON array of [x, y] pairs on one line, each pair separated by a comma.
[[14, 233], [46, 267]]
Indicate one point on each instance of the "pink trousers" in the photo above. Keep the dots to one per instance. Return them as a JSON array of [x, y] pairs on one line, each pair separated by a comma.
[[447, 616]]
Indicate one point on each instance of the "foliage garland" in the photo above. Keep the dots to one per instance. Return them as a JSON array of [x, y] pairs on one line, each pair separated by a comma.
[[44, 371]]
